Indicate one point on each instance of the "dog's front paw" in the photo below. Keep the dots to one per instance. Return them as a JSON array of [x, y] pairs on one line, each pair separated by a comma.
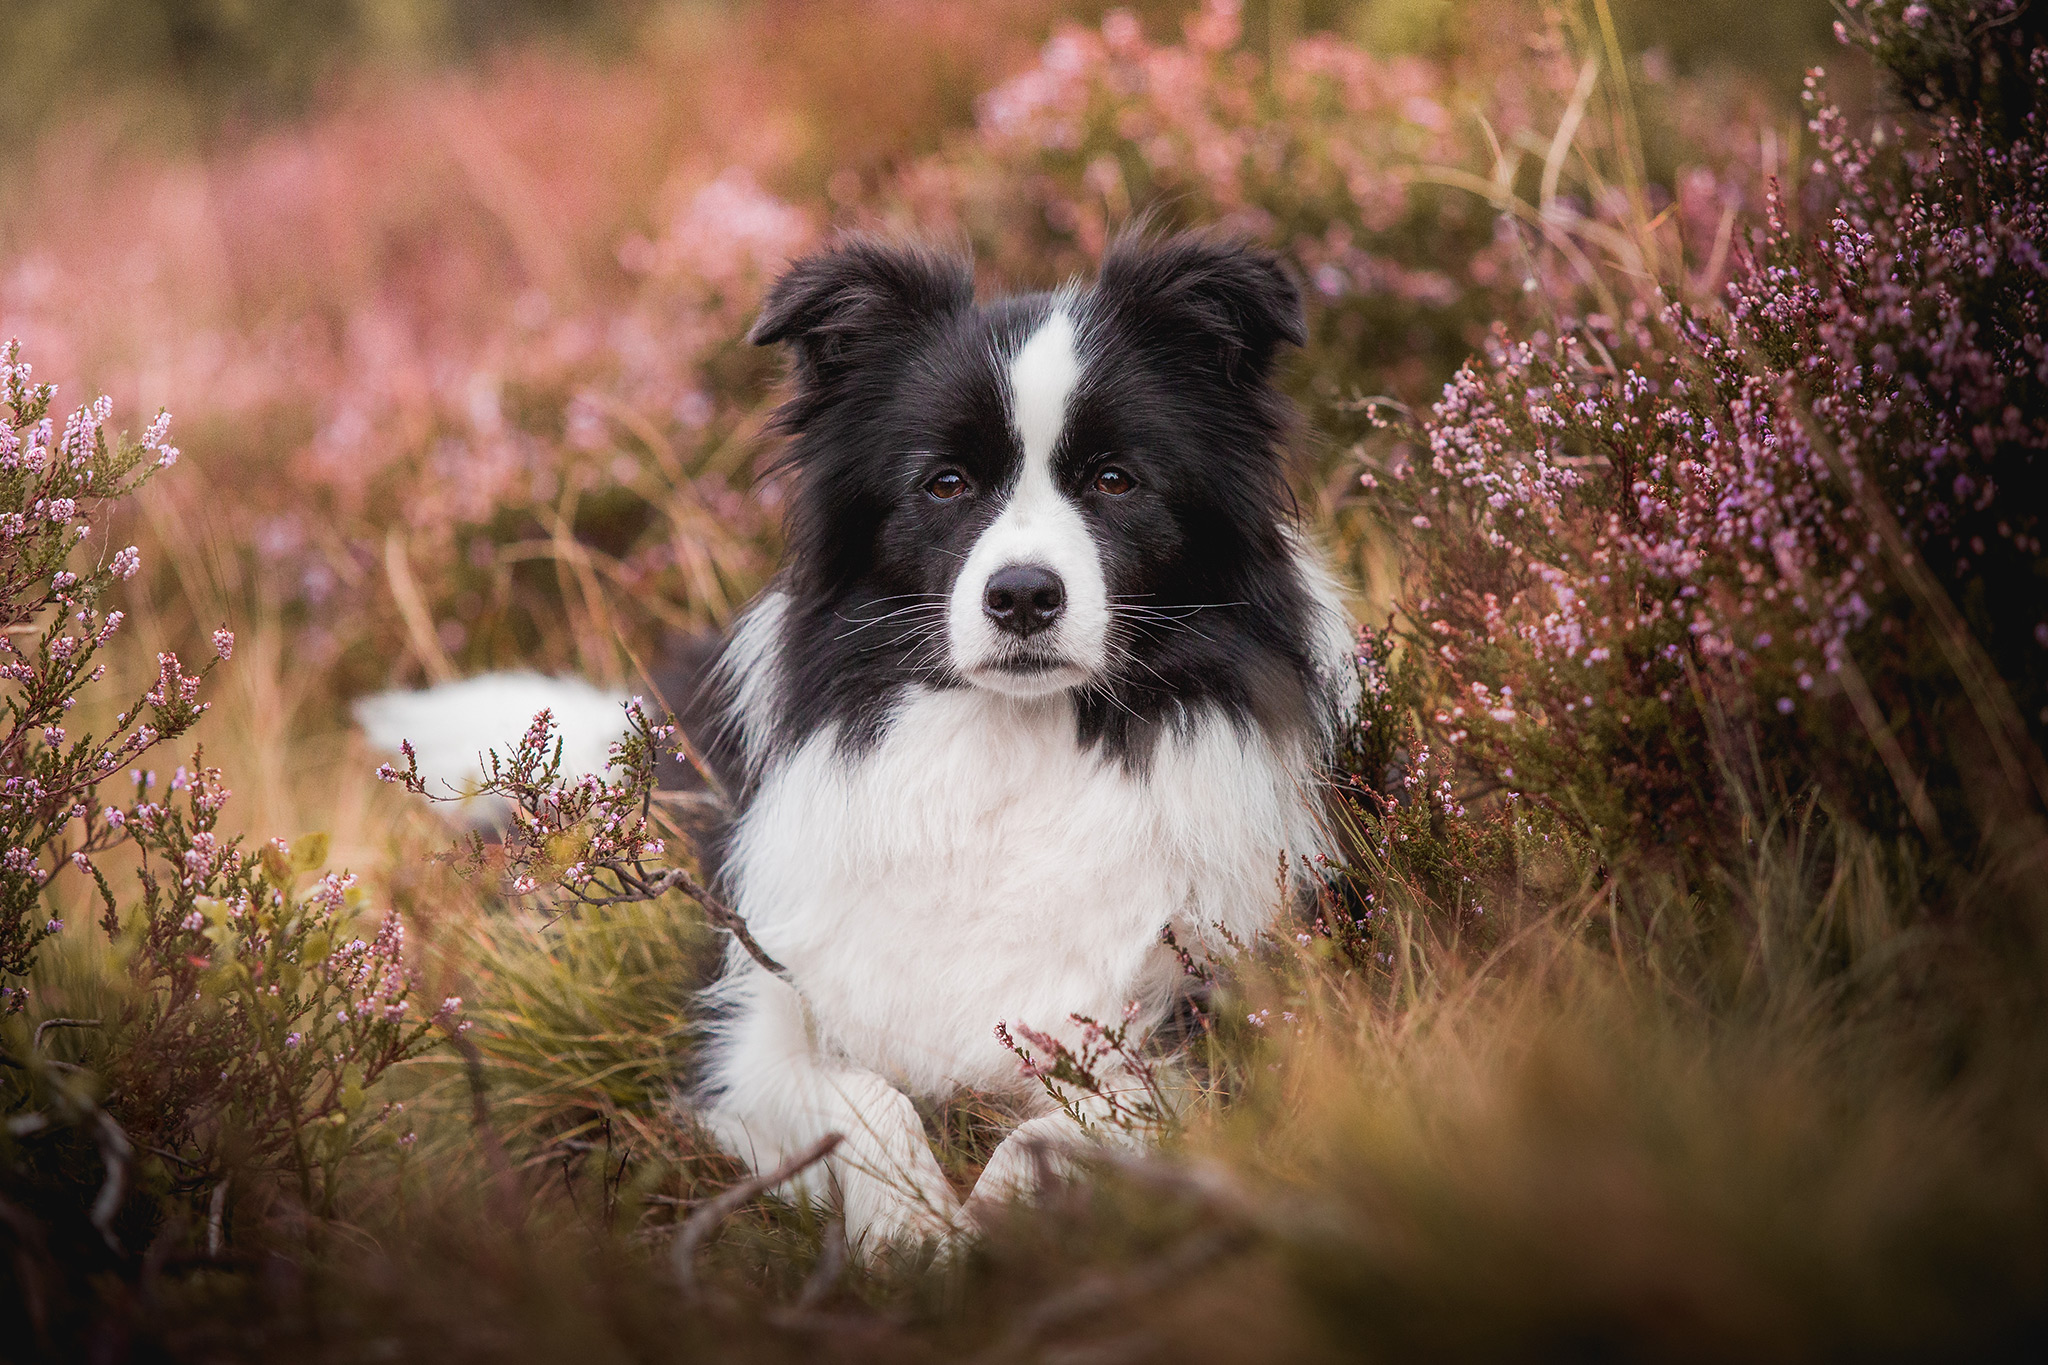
[[1039, 1152], [881, 1214]]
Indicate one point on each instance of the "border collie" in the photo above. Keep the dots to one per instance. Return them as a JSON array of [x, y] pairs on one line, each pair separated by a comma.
[[1048, 668]]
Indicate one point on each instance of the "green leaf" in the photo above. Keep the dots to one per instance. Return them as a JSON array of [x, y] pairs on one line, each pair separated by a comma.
[[309, 852], [352, 1088], [221, 980], [275, 867]]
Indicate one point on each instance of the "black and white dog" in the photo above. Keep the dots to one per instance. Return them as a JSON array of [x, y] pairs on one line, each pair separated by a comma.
[[1048, 668]]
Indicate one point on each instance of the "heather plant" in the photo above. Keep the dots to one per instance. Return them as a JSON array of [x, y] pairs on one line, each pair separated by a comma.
[[596, 840], [1107, 1081], [1808, 519], [1303, 152], [229, 1025], [54, 489], [253, 1021]]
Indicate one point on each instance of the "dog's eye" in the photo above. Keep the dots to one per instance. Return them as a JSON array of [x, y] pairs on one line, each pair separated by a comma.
[[947, 485], [1114, 482]]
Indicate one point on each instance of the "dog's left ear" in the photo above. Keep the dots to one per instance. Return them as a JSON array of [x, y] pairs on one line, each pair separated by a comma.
[[1191, 287], [835, 304]]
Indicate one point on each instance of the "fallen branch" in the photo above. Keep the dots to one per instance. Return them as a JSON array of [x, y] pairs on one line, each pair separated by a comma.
[[720, 914], [115, 1154], [216, 1209], [702, 1223], [61, 1023]]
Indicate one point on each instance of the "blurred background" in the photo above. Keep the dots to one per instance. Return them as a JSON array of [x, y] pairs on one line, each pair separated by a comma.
[[179, 70], [446, 298]]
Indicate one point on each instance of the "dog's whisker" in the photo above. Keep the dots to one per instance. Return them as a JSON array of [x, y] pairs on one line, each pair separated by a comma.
[[865, 623], [1121, 603]]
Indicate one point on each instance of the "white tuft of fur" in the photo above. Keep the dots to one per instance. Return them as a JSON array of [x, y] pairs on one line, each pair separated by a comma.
[[750, 678], [1333, 636], [450, 727]]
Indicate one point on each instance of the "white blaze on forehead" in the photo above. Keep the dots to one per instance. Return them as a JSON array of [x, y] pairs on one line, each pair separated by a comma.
[[1038, 524], [1042, 379]]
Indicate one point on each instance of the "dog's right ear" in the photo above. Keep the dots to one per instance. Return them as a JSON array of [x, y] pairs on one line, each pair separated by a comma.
[[832, 304]]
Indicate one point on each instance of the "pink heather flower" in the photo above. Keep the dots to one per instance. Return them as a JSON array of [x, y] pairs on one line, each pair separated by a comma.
[[332, 888], [450, 1005], [127, 563], [194, 922], [224, 643], [1121, 31], [55, 926], [1784, 706], [292, 1040]]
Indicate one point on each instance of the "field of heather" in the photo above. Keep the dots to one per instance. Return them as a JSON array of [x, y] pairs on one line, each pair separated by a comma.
[[1676, 409]]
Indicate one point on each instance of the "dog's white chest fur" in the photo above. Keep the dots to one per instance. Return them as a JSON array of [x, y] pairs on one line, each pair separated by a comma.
[[978, 866]]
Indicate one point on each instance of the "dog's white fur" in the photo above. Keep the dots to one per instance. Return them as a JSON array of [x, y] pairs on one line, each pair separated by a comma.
[[451, 726]]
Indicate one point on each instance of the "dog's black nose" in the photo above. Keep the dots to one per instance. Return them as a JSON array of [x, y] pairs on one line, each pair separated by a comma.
[[1024, 598]]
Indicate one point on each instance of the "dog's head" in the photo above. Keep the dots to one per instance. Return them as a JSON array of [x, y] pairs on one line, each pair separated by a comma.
[[1040, 493]]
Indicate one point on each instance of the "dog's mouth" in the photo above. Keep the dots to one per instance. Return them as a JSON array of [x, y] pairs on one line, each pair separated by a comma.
[[1031, 674], [1029, 664]]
